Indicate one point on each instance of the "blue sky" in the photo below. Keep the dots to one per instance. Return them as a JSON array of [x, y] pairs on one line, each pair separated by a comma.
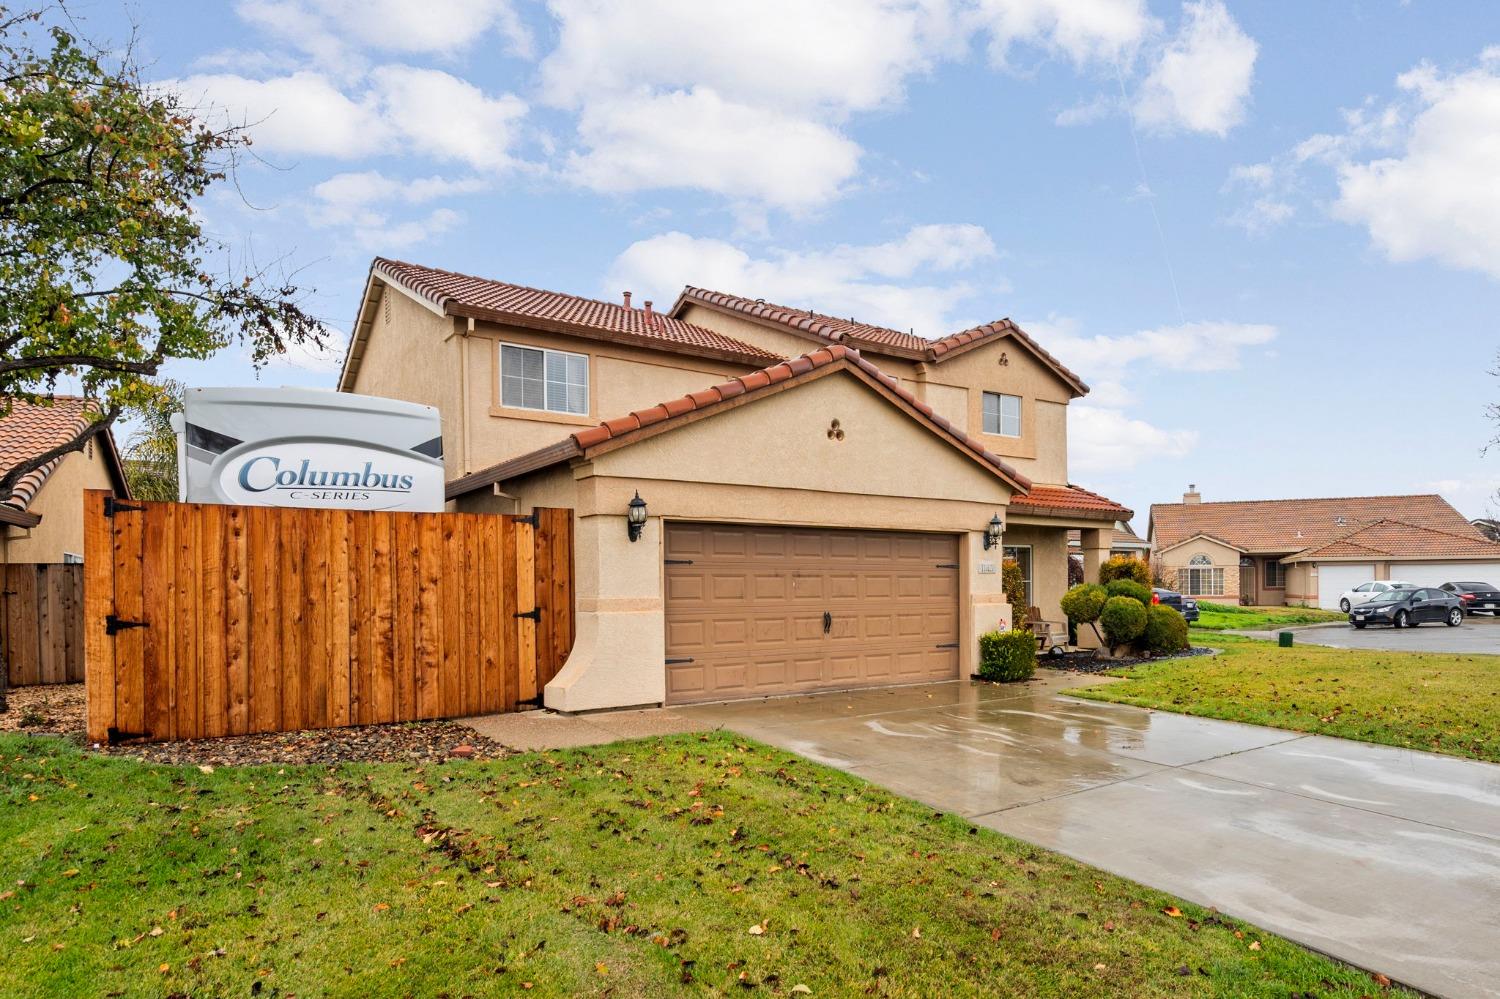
[[1267, 233]]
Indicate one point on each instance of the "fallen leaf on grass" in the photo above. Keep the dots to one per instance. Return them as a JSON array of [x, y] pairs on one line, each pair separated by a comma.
[[759, 928], [381, 907], [1173, 911], [1255, 945]]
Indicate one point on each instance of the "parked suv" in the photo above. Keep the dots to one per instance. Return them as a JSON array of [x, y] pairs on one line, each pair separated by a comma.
[[1186, 606], [1369, 591]]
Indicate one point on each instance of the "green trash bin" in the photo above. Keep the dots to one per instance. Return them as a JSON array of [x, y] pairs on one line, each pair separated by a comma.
[[1284, 639]]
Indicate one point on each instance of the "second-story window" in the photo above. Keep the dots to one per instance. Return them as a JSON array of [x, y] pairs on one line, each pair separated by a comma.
[[1002, 414], [550, 380]]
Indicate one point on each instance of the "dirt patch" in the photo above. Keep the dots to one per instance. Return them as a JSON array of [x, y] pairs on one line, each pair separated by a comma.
[[1104, 663], [59, 710], [54, 709]]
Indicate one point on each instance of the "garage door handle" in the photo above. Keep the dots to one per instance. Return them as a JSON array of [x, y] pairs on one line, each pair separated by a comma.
[[827, 622], [674, 662]]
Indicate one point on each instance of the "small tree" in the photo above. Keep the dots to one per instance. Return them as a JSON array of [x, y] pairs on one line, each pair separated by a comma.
[[105, 274], [1014, 584], [150, 455], [1129, 588], [1083, 603], [1123, 620], [1124, 567]]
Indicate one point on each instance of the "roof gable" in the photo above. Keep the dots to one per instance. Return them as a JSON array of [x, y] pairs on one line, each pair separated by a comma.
[[1293, 525], [448, 293], [643, 424], [30, 430], [875, 339], [1398, 539]]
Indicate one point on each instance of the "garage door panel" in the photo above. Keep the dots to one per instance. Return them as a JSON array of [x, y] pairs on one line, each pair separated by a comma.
[[1438, 573], [748, 612], [1334, 578]]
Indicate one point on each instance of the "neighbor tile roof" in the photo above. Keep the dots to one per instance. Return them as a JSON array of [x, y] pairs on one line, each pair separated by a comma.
[[499, 301], [881, 339], [1397, 539], [1069, 500], [28, 431], [1293, 525], [745, 385]]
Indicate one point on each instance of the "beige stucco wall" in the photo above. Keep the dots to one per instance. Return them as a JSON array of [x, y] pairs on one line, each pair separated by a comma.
[[60, 504], [1223, 557], [769, 461]]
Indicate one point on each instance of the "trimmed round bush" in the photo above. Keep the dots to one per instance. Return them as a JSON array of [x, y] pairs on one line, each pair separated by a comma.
[[1123, 620], [1084, 602], [1166, 630], [1124, 567], [1007, 656], [1129, 588]]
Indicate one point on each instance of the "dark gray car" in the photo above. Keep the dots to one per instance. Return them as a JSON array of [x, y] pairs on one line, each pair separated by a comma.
[[1186, 606], [1407, 608]]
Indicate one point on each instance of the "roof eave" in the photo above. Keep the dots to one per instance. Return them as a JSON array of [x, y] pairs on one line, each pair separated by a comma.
[[12, 517]]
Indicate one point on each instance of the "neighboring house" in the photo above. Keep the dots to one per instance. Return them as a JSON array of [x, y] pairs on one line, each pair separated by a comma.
[[42, 519], [1123, 541], [1309, 551], [818, 492]]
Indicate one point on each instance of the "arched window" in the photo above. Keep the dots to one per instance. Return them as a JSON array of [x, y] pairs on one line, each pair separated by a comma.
[[1201, 578]]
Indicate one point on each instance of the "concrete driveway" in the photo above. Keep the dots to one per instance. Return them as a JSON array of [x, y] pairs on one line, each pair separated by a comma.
[[1385, 858], [1479, 634]]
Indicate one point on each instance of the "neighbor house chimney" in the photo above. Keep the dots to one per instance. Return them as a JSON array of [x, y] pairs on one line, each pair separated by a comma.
[[1192, 495], [650, 316], [627, 301]]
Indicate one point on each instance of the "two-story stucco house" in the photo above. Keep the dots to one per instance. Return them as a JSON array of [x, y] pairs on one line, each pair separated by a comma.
[[826, 502]]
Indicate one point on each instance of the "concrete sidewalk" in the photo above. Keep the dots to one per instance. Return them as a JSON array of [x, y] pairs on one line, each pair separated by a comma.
[[1386, 858]]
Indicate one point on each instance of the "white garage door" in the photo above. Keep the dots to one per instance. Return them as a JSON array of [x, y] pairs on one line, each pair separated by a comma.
[[1336, 577], [1438, 573]]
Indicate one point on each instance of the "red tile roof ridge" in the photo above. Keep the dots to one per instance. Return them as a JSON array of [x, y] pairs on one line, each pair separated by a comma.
[[1307, 499]]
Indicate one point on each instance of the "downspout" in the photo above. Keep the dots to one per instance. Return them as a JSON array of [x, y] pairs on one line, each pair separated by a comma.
[[464, 447]]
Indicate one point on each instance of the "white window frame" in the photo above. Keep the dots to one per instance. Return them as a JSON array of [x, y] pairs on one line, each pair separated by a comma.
[[1201, 578], [1002, 419], [1027, 570], [544, 351]]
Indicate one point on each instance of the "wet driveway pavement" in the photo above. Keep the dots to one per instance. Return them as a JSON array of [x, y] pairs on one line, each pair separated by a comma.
[[1386, 858]]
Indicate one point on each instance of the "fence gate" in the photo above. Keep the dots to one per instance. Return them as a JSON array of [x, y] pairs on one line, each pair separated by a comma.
[[41, 622], [203, 620]]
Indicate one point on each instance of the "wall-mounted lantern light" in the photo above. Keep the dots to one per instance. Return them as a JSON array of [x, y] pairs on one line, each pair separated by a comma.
[[992, 532], [635, 517]]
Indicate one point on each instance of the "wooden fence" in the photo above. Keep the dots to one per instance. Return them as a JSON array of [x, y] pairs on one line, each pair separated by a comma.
[[41, 623], [206, 620]]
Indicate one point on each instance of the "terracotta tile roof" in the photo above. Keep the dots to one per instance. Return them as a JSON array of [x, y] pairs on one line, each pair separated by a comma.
[[1294, 525], [28, 431], [1066, 500], [499, 301], [879, 339], [679, 409], [1397, 539]]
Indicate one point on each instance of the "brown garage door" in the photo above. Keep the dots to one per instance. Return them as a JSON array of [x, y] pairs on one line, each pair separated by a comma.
[[771, 610]]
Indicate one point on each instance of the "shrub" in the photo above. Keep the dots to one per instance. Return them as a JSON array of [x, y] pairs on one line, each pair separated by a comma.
[[1084, 602], [1129, 588], [1123, 619], [1166, 630], [1125, 567], [1007, 655], [1015, 587]]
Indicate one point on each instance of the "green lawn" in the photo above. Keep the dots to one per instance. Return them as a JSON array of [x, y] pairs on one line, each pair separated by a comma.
[[625, 870], [1218, 617], [1444, 703]]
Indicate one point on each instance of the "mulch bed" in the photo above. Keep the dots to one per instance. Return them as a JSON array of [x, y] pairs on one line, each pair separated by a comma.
[[59, 710], [1103, 663]]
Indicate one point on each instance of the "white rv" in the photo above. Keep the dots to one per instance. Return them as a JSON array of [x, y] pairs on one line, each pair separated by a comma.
[[305, 447]]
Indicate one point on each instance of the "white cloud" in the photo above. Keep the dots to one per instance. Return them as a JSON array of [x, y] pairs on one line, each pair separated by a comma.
[[787, 55], [305, 356], [857, 281], [697, 139], [1262, 215], [1084, 30], [1201, 81], [427, 112], [1437, 195], [1198, 346], [1102, 439], [361, 203], [326, 27]]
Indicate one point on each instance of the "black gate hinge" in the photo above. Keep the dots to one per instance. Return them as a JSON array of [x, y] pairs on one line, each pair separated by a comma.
[[530, 518], [535, 614], [673, 662], [114, 625], [113, 506]]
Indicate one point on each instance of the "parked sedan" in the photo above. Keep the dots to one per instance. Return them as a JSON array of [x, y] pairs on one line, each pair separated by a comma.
[[1186, 606], [1408, 607], [1476, 596], [1370, 590]]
